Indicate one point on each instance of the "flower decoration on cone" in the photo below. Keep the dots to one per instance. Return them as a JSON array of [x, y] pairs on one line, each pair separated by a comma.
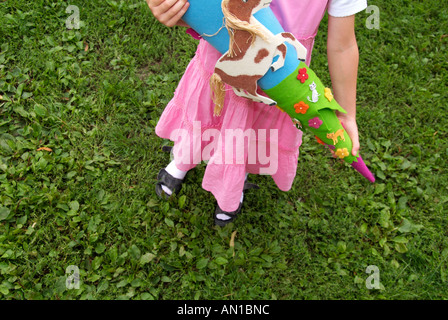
[[303, 75], [301, 107], [342, 153], [315, 123]]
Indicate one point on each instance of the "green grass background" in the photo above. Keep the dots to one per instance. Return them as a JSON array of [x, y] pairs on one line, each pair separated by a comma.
[[94, 96]]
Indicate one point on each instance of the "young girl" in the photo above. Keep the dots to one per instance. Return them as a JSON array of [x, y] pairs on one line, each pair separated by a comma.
[[191, 109]]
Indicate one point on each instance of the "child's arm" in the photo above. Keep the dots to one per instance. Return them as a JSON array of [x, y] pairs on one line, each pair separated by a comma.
[[343, 57], [169, 12]]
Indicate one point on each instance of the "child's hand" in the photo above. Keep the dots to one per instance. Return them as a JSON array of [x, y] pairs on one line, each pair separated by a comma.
[[168, 12], [350, 126]]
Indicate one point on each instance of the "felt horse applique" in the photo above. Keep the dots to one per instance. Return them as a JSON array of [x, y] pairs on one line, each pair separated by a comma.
[[252, 49]]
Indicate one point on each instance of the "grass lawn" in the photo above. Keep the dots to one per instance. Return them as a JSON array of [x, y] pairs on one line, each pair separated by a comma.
[[91, 97]]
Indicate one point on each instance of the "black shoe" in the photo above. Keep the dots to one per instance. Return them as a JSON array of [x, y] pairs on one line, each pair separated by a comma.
[[167, 180], [233, 215], [164, 178]]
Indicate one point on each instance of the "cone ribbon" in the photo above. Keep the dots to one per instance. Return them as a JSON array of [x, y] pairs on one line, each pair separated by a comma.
[[288, 82]]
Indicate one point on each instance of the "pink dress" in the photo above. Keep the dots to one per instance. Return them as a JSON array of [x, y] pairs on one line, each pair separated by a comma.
[[198, 135]]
